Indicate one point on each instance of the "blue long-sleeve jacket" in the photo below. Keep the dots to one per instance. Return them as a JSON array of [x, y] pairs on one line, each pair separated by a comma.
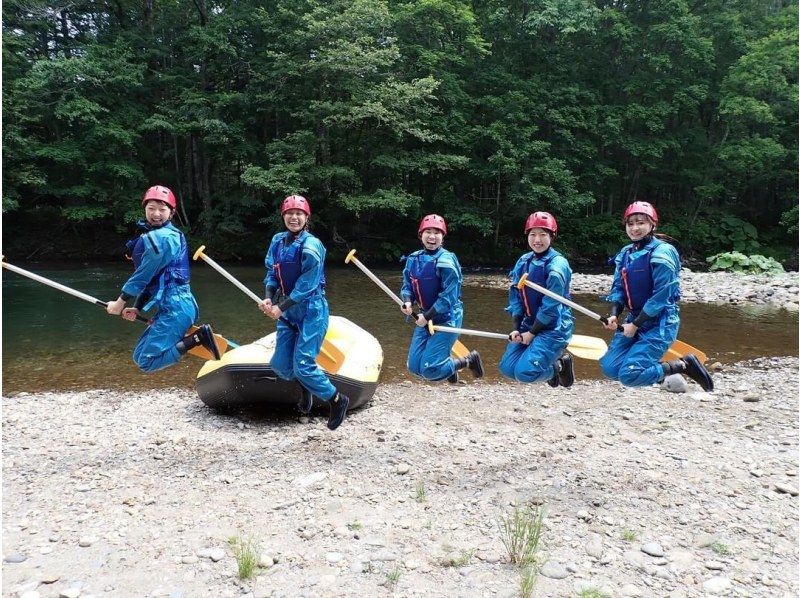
[[551, 314], [665, 266], [312, 271], [162, 246], [448, 270]]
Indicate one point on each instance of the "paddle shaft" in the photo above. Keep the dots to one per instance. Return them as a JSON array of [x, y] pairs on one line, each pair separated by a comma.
[[200, 254], [227, 275], [459, 350], [373, 278], [62, 288], [470, 332], [565, 301]]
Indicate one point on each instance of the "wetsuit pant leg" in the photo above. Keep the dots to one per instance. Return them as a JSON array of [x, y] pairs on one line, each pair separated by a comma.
[[156, 347], [312, 329], [435, 361], [537, 362], [642, 363], [509, 360], [419, 340], [283, 357], [617, 351]]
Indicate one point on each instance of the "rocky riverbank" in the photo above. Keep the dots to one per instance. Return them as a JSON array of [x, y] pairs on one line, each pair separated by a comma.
[[645, 493], [778, 290]]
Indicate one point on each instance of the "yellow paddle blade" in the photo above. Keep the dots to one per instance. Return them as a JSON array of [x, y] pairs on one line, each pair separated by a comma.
[[330, 357], [587, 347], [203, 353], [334, 345], [459, 351], [678, 349]]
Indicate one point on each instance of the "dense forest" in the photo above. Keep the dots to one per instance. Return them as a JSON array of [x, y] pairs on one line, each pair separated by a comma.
[[380, 111]]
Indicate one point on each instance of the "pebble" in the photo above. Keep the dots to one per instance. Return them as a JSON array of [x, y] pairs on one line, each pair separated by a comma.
[[15, 558], [717, 585], [786, 488], [554, 570], [653, 549], [630, 590]]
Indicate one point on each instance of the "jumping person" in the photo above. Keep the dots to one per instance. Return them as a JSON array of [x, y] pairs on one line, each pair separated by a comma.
[[161, 278], [432, 280], [647, 283], [542, 325], [295, 297]]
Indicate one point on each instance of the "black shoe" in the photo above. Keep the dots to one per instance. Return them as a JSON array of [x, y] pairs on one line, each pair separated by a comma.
[[206, 337], [566, 371], [339, 405], [554, 380], [475, 364], [696, 371], [454, 378], [306, 401]]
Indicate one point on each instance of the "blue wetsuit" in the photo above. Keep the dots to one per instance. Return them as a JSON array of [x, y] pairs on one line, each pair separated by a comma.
[[550, 321], [646, 282], [432, 279], [295, 269], [161, 279]]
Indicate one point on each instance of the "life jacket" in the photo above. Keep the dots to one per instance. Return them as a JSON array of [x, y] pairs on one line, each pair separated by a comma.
[[288, 261], [637, 277], [425, 281], [537, 272], [174, 274]]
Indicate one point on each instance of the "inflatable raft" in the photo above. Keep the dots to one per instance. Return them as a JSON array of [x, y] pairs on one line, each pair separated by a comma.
[[351, 357]]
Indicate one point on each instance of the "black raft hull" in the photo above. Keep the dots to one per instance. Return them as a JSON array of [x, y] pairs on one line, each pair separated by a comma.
[[244, 378]]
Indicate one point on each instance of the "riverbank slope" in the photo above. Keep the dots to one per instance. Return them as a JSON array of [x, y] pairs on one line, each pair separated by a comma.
[[645, 493], [778, 290]]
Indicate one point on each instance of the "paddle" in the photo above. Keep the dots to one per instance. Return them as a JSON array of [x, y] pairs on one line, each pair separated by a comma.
[[459, 350], [677, 349], [586, 347], [198, 351], [330, 357]]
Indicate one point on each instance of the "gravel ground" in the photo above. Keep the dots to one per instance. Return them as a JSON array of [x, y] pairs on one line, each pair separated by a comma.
[[645, 492], [780, 290]]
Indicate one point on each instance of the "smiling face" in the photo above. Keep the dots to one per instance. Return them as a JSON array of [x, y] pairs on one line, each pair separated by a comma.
[[295, 220], [431, 238], [539, 239], [638, 226], [157, 212]]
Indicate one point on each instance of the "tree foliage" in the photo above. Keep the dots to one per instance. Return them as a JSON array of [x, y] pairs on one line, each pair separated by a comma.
[[383, 110]]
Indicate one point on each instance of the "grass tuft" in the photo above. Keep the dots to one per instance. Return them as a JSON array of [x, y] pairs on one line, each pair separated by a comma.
[[628, 535], [521, 533], [421, 494], [245, 550], [721, 548]]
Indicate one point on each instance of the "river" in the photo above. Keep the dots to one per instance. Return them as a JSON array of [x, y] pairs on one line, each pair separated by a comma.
[[52, 341]]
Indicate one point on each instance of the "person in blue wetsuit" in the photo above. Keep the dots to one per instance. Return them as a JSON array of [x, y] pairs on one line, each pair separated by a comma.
[[161, 279], [542, 325], [295, 297], [647, 283], [432, 280]]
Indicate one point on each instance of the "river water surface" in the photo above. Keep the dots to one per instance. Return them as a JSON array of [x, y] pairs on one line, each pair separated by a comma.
[[52, 341]]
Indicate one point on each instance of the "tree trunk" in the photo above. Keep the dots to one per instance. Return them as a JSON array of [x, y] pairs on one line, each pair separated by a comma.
[[497, 212]]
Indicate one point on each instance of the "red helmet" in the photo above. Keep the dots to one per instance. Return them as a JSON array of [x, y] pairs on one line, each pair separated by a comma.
[[296, 202], [432, 221], [160, 193], [543, 220], [640, 207]]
